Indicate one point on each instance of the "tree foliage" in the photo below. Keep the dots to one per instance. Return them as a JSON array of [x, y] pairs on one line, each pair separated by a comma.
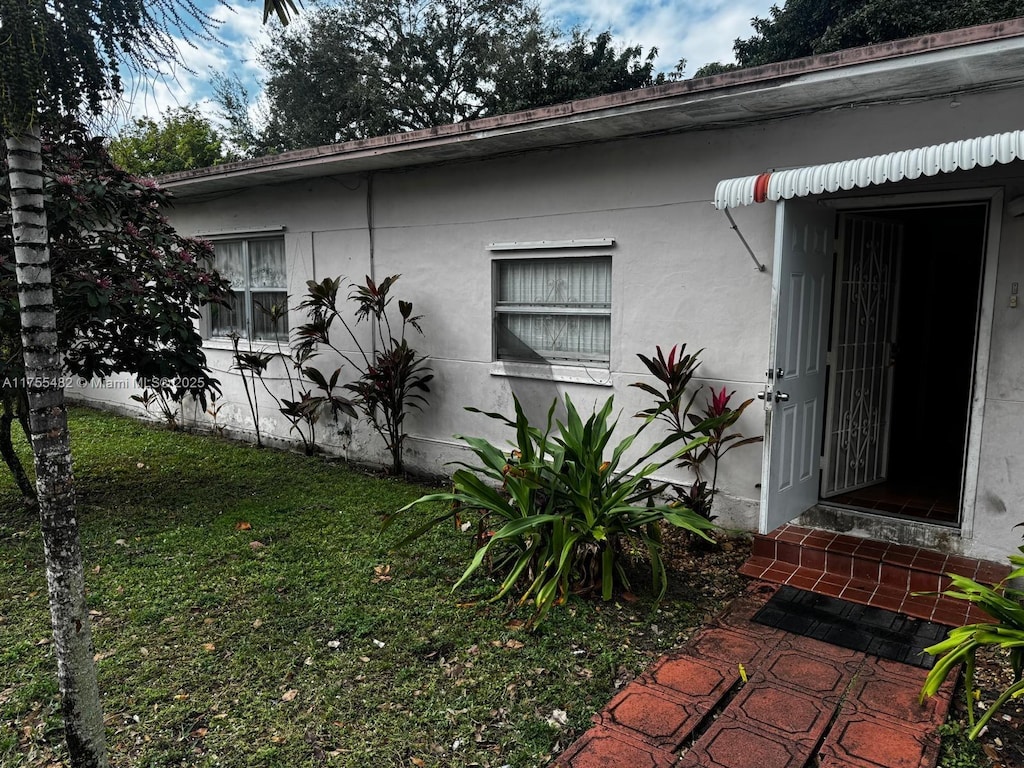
[[810, 27], [577, 69], [371, 67], [183, 139], [127, 288]]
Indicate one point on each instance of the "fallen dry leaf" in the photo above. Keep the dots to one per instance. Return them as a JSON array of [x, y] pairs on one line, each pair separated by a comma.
[[289, 695], [257, 624], [514, 644], [209, 647], [256, 545], [242, 525], [381, 573]]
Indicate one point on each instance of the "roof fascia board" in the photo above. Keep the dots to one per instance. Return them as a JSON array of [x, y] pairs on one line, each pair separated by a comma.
[[864, 80]]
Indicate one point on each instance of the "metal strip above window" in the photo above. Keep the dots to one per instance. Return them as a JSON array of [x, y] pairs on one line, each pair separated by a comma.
[[980, 152], [220, 234], [540, 245]]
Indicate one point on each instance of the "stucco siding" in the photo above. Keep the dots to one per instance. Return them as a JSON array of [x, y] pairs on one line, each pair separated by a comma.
[[679, 274]]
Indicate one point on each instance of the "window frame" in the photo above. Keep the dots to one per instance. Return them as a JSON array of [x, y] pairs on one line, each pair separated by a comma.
[[509, 363], [246, 292]]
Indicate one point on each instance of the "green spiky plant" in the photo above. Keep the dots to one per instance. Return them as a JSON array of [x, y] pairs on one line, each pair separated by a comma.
[[563, 503], [1006, 606]]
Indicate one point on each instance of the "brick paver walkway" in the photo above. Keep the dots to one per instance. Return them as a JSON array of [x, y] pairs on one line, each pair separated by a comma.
[[804, 703]]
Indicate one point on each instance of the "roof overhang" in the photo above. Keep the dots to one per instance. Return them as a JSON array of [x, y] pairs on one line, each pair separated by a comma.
[[844, 175], [932, 66]]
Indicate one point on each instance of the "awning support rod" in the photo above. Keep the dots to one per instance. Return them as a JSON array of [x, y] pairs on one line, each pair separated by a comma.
[[732, 222]]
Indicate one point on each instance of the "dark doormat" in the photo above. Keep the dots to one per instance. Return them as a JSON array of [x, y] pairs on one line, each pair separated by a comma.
[[875, 631]]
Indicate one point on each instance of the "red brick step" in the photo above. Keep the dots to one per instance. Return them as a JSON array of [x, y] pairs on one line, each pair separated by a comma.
[[869, 572]]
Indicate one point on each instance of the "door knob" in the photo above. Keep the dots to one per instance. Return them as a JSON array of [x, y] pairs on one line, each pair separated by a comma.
[[781, 397]]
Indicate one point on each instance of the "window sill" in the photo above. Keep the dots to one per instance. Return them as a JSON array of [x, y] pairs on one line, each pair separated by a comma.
[[226, 345], [572, 374]]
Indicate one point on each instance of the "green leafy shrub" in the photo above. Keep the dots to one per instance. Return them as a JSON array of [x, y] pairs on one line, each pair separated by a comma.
[[564, 504], [1004, 604], [127, 288]]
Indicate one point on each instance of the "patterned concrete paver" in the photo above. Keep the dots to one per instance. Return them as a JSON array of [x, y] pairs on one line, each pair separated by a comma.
[[804, 702], [601, 747]]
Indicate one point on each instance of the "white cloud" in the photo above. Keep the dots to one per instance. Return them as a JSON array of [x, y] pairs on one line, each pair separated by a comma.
[[238, 37], [700, 31]]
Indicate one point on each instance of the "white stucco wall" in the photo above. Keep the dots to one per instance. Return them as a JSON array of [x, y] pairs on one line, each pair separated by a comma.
[[679, 275]]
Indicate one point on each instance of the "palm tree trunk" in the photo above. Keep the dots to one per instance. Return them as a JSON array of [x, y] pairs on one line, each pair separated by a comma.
[[51, 448]]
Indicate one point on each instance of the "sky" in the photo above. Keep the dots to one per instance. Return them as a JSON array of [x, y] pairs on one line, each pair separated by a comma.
[[700, 31]]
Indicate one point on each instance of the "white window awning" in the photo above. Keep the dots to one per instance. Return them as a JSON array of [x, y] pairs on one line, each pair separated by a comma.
[[980, 152]]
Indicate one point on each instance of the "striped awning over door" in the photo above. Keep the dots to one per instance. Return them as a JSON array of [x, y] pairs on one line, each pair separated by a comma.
[[980, 152]]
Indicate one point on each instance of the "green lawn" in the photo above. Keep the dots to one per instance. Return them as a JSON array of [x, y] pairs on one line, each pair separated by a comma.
[[245, 615]]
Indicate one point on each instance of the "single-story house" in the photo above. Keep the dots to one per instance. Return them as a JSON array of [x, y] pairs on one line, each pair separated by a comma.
[[843, 236]]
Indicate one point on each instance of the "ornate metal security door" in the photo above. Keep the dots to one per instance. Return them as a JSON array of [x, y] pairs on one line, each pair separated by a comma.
[[863, 355]]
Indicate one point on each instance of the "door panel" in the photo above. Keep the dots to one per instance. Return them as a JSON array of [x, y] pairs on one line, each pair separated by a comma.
[[794, 396], [864, 353]]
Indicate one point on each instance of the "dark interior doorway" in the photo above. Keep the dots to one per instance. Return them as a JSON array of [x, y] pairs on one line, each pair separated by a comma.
[[939, 298]]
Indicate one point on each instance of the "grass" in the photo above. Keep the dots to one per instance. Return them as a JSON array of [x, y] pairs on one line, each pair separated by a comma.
[[248, 611], [958, 751]]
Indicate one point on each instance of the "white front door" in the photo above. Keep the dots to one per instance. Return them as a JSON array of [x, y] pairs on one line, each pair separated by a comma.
[[863, 355], [794, 398]]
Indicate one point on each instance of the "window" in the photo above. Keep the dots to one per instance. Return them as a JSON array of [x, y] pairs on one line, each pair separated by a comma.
[[256, 269], [554, 309]]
